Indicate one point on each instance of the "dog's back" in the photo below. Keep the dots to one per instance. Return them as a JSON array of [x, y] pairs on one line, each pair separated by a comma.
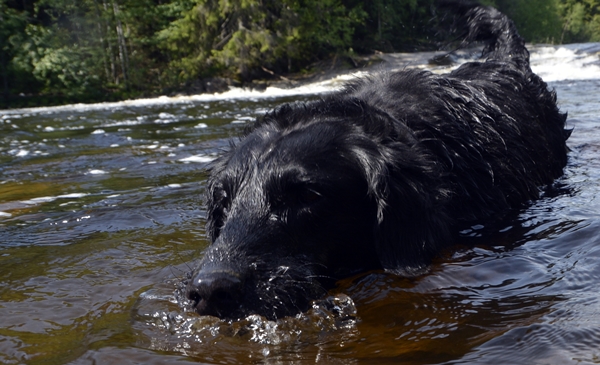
[[492, 126], [487, 136]]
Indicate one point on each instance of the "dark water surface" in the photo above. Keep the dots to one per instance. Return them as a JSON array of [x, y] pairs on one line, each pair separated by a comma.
[[101, 216]]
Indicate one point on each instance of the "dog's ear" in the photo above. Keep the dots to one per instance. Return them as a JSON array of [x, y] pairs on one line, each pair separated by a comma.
[[411, 223], [214, 197], [409, 199]]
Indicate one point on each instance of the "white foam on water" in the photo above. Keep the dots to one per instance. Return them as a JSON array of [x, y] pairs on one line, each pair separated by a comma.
[[20, 153], [570, 62], [48, 199], [552, 63], [96, 172], [43, 199], [198, 159], [72, 196]]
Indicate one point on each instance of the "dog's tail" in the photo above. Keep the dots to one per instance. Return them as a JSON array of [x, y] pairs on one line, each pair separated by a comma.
[[488, 25]]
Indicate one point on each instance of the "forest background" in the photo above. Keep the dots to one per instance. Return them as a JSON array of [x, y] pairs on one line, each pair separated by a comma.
[[64, 51]]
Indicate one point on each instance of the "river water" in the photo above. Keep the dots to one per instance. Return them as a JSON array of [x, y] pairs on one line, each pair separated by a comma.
[[101, 216]]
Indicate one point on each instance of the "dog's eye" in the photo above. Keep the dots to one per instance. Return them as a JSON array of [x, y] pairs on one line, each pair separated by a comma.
[[226, 203], [309, 196], [296, 198], [222, 198]]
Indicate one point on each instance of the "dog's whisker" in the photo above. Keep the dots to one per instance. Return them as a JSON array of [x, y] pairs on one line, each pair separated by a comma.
[[327, 277]]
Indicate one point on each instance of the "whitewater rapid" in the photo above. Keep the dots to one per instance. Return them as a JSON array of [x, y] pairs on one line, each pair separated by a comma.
[[579, 61]]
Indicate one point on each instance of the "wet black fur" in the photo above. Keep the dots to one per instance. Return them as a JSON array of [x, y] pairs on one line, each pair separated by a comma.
[[380, 175]]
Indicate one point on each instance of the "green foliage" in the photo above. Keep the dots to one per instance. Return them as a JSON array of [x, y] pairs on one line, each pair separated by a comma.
[[538, 21], [242, 37], [581, 20], [87, 50], [396, 25], [55, 67], [325, 27], [554, 21], [12, 25]]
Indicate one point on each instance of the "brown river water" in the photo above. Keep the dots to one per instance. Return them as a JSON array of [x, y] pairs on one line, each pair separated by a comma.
[[101, 217]]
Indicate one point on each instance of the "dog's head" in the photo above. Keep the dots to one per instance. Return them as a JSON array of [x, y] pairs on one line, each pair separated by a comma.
[[313, 193]]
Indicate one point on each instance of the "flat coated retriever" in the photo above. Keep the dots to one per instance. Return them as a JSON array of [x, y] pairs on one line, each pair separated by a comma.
[[379, 175]]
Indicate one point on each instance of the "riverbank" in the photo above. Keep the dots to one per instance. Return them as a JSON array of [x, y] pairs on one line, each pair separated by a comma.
[[317, 72], [552, 63]]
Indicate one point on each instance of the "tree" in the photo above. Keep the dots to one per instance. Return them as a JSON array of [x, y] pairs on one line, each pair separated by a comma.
[[84, 50], [396, 25], [538, 21], [581, 20], [242, 37], [12, 26]]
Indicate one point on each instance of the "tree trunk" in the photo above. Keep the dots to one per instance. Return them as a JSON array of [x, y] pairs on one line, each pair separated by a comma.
[[111, 55], [3, 64], [122, 45], [103, 44]]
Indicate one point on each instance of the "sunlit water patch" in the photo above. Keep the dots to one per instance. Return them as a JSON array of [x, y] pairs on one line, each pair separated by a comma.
[[101, 219]]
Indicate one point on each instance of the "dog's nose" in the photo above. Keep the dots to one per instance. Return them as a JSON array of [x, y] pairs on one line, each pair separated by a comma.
[[215, 293]]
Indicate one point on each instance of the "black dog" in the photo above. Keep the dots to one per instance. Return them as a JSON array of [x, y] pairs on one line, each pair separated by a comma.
[[380, 175]]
